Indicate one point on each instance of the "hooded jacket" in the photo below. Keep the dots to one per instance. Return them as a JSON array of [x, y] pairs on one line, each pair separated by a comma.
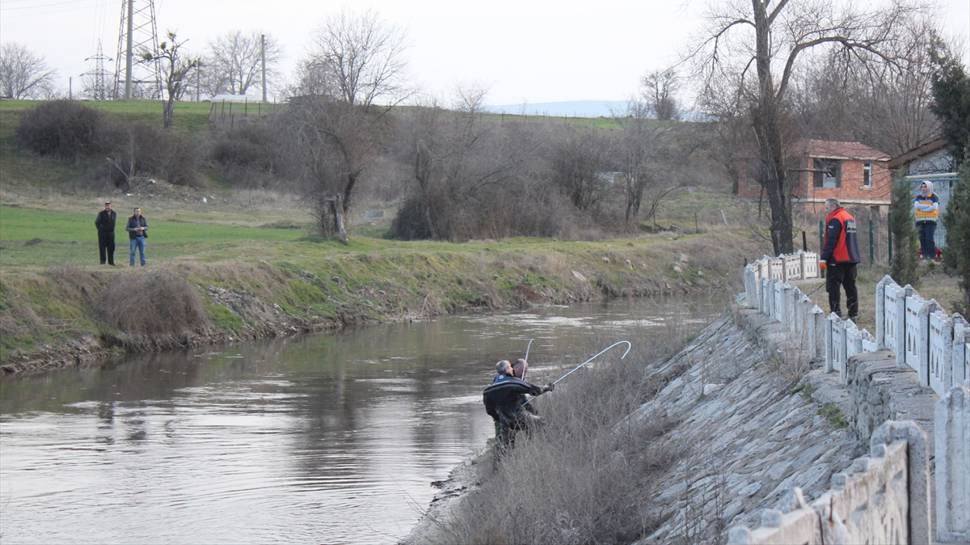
[[926, 207], [505, 399]]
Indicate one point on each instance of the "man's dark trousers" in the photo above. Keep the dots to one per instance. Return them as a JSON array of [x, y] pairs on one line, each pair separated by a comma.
[[106, 246], [842, 275]]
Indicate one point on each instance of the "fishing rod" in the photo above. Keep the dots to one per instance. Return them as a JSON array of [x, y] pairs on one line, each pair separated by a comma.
[[527, 348], [581, 365]]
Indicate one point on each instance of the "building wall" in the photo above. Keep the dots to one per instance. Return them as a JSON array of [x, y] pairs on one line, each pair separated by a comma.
[[851, 188]]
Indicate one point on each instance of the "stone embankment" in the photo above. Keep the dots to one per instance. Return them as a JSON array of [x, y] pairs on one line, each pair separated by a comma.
[[905, 392], [784, 428]]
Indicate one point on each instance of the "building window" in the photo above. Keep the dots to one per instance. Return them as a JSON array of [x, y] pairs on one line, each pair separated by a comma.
[[867, 174], [827, 173]]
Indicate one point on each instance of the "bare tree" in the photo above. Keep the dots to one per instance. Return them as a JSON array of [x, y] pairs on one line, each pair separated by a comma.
[[314, 78], [234, 61], [580, 166], [779, 36], [366, 57], [879, 105], [357, 61], [659, 89], [23, 74], [639, 151], [177, 68]]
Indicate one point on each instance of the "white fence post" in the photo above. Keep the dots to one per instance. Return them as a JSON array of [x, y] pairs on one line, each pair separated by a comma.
[[918, 335], [778, 305], [952, 438], [853, 346], [763, 293], [835, 344], [939, 354], [869, 343], [960, 354], [895, 319], [881, 309], [817, 330]]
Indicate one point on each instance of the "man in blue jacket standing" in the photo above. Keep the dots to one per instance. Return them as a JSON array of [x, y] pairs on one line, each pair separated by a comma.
[[137, 233]]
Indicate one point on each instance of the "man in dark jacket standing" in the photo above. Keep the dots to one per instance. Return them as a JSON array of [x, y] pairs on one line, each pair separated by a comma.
[[105, 222], [840, 252], [506, 403]]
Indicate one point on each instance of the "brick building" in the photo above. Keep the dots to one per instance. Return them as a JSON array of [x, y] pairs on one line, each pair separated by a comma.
[[852, 172]]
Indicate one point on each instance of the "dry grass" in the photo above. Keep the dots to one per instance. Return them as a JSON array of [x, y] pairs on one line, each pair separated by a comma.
[[583, 477], [157, 304]]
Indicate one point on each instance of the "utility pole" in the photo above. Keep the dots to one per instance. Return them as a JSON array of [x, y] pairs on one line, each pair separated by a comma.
[[70, 87], [262, 55]]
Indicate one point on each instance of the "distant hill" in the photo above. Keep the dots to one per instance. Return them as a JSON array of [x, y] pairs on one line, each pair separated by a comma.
[[576, 108]]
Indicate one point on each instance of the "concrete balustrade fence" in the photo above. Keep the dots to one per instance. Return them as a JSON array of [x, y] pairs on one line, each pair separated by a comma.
[[925, 338], [896, 471]]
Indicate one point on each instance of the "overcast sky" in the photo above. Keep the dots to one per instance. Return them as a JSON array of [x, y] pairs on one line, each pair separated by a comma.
[[520, 50]]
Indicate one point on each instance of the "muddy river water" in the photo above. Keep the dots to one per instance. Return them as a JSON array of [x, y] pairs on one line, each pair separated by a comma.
[[319, 439]]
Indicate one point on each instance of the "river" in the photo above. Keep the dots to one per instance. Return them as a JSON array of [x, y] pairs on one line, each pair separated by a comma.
[[329, 438]]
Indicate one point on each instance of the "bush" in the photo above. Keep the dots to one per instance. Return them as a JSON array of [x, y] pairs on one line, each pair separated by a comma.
[[155, 305], [903, 233], [64, 129], [172, 156], [958, 233], [249, 146]]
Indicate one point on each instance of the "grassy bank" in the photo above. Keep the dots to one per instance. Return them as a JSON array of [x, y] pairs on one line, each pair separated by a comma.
[[232, 280]]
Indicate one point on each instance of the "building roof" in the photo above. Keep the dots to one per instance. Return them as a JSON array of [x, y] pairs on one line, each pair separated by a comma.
[[831, 149], [919, 151]]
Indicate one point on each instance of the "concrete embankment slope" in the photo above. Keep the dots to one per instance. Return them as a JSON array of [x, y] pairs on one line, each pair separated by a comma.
[[749, 434], [745, 435]]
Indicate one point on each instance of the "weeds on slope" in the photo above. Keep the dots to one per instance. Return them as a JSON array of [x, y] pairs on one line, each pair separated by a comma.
[[583, 477]]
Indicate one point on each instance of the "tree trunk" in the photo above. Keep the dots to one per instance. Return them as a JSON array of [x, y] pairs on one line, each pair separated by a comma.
[[337, 210], [770, 146]]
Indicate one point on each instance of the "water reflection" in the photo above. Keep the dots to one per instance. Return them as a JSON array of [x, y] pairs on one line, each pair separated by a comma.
[[328, 438]]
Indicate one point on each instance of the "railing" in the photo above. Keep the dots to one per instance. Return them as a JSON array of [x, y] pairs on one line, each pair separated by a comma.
[[936, 345], [896, 469], [924, 337]]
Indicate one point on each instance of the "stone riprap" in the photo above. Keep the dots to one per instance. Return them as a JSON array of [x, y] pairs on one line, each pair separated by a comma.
[[749, 437]]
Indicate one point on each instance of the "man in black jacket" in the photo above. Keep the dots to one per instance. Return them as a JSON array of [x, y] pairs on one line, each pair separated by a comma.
[[105, 223], [505, 401]]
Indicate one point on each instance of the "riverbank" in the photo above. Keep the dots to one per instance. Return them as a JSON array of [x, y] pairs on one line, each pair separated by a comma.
[[718, 432], [67, 315]]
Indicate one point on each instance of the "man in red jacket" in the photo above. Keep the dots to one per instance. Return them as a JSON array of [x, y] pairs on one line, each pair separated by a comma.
[[840, 252]]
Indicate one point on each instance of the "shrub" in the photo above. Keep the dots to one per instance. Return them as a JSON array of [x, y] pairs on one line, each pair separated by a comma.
[[903, 263], [249, 146], [155, 305], [64, 129], [170, 155], [958, 233]]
